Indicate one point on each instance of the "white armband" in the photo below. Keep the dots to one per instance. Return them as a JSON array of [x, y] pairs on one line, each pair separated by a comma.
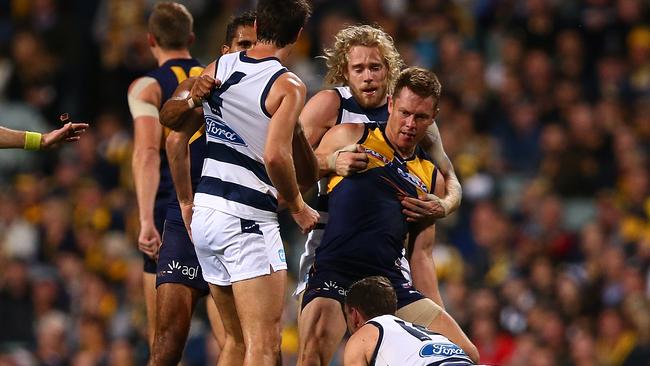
[[137, 106]]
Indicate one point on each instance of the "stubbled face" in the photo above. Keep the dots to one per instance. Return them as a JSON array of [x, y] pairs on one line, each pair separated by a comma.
[[410, 116], [366, 74], [245, 38]]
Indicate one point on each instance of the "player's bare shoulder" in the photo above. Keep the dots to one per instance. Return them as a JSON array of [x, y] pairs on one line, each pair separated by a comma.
[[287, 87], [322, 108]]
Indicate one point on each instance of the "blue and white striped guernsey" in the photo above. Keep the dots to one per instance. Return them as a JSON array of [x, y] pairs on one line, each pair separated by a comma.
[[234, 178]]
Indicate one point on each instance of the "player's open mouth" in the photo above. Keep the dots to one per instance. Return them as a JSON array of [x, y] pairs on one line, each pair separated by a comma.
[[369, 92]]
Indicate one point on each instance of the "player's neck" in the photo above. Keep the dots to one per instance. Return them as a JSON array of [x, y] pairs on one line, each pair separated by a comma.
[[166, 55], [404, 153], [264, 50]]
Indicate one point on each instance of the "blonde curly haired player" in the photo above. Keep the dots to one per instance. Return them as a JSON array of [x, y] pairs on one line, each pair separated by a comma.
[[363, 66], [337, 57]]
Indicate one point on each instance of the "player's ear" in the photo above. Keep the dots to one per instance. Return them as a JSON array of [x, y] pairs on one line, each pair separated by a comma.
[[390, 103], [225, 49], [191, 39], [151, 40]]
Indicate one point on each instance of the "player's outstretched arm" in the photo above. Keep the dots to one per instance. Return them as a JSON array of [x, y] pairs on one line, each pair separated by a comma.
[[178, 155], [144, 100], [360, 347], [12, 139], [286, 99]]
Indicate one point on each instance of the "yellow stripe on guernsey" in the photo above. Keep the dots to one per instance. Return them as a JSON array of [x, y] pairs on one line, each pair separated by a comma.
[[380, 154], [197, 134], [180, 74]]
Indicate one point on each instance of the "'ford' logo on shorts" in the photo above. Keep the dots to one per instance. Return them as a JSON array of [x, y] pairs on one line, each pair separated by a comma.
[[220, 131], [441, 349]]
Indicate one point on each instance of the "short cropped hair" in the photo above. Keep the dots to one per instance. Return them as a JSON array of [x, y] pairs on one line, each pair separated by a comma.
[[279, 21], [420, 81], [246, 19], [361, 35], [171, 25], [373, 296]]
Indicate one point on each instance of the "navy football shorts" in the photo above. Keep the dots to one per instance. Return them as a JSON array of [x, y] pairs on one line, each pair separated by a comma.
[[335, 285], [177, 262]]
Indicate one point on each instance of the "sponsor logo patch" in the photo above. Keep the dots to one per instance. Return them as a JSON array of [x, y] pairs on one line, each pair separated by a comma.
[[187, 271], [219, 130], [441, 349]]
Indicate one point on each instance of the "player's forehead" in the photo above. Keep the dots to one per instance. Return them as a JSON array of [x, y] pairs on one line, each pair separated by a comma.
[[244, 32], [364, 55], [410, 101]]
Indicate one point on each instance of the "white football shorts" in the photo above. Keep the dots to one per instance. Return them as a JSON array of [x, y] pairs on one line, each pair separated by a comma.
[[232, 249]]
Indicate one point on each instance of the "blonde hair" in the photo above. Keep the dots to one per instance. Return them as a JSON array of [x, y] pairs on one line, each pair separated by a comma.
[[361, 35]]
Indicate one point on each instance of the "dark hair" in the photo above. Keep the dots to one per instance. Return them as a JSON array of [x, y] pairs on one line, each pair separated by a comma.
[[279, 21], [420, 81], [171, 25], [372, 296], [246, 19]]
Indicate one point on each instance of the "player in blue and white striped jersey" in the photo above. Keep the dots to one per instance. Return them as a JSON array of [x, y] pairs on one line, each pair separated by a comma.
[[250, 121], [382, 339]]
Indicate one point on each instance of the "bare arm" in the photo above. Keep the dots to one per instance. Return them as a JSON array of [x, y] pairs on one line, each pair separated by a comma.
[[144, 99], [319, 115], [11, 138], [447, 326], [454, 191], [338, 139], [178, 154], [449, 201], [16, 139], [304, 159], [423, 269], [360, 346], [287, 95], [176, 108], [187, 99]]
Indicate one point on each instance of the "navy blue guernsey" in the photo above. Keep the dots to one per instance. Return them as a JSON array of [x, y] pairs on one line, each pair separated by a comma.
[[168, 76], [366, 229]]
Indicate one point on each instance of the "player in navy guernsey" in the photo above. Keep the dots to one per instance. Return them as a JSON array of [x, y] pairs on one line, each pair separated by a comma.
[[170, 34], [366, 230], [382, 339], [179, 280], [364, 63]]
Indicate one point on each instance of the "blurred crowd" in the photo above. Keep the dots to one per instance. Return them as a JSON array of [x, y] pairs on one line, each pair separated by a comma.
[[545, 115]]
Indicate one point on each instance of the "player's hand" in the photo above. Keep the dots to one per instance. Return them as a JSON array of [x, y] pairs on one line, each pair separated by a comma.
[[202, 88], [424, 208], [70, 132], [349, 160], [306, 217], [186, 212], [149, 240]]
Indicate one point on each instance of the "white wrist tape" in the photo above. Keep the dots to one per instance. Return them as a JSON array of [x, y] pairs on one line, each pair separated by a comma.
[[331, 160]]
